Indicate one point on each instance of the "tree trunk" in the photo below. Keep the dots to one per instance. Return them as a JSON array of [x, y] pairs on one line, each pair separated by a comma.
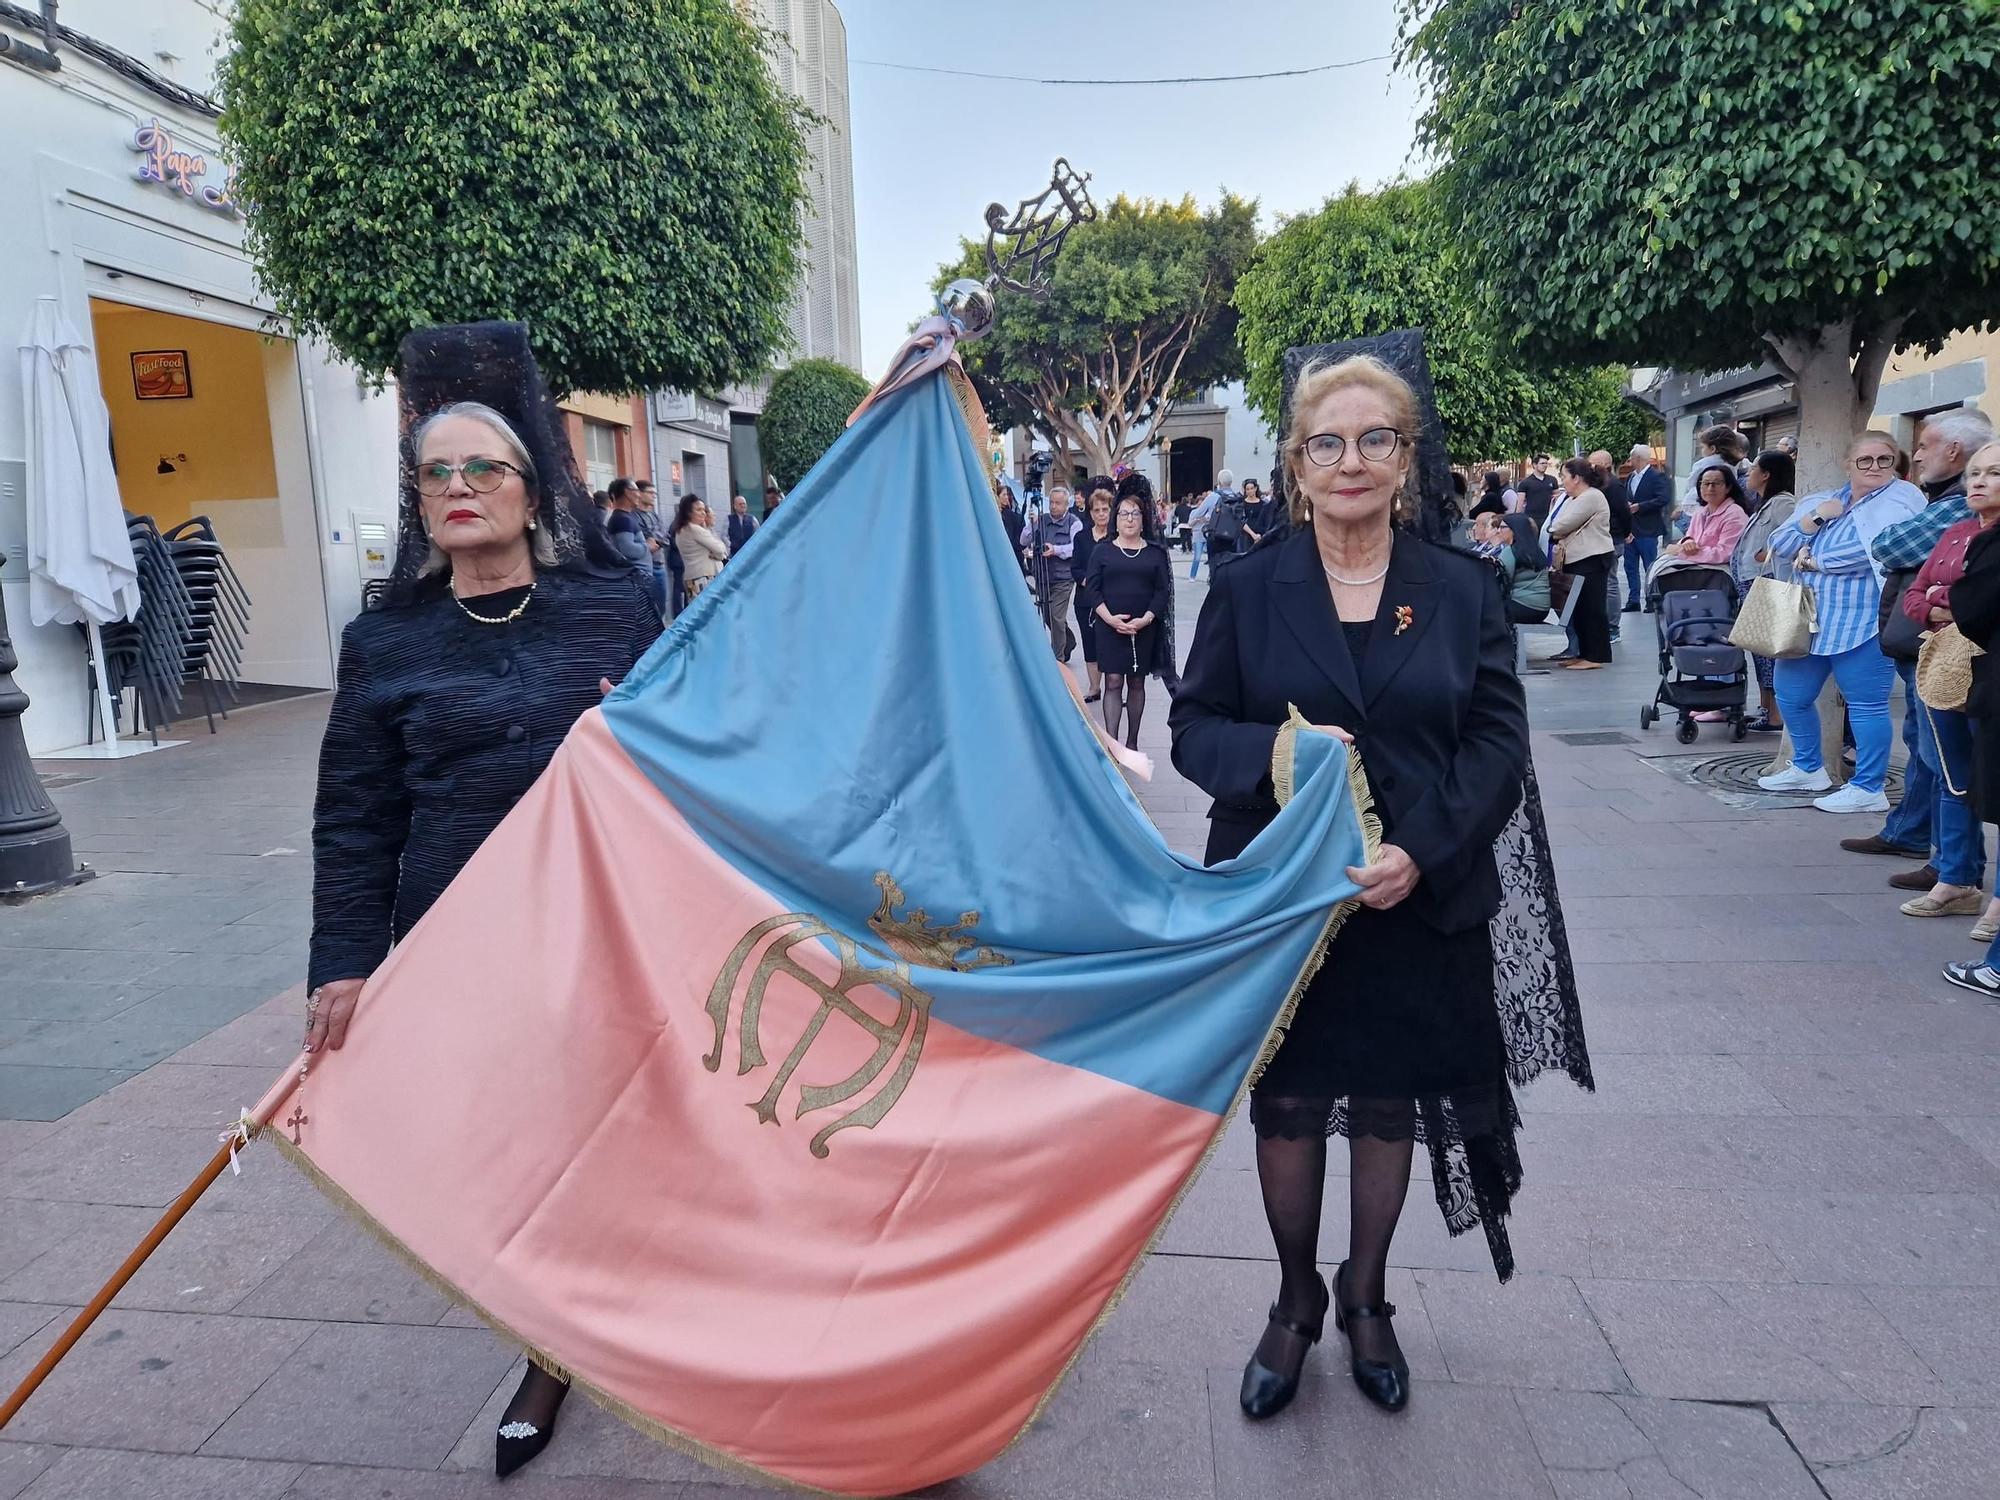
[[1836, 385]]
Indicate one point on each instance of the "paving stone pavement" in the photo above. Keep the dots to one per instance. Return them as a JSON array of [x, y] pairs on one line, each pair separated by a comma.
[[1763, 1260]]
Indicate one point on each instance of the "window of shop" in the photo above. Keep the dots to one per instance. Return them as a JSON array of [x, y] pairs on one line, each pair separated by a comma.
[[600, 454]]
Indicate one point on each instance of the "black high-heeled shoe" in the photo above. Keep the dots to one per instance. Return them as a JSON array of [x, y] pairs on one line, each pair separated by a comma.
[[1385, 1383], [529, 1421], [1266, 1392]]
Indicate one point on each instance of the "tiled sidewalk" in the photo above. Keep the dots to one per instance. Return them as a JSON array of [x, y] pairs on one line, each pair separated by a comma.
[[1763, 1261]]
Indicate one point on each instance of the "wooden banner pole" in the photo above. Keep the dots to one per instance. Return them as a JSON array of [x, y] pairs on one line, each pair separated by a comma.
[[176, 1211]]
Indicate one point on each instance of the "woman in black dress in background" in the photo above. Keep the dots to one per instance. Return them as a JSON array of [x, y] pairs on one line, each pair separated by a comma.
[[1096, 530], [1132, 582], [1400, 648]]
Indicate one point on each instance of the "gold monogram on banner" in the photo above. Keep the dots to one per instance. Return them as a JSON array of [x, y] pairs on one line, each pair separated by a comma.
[[909, 940]]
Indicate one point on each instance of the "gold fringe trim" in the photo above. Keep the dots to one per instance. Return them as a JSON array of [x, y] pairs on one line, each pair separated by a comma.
[[1363, 798], [972, 409], [1371, 837], [672, 1437]]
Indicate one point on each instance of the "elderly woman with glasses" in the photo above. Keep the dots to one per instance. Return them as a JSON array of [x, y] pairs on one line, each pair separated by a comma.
[[1401, 649], [506, 620], [1827, 543]]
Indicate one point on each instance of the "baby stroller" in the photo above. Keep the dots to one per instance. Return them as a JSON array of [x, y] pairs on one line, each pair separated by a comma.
[[1699, 670]]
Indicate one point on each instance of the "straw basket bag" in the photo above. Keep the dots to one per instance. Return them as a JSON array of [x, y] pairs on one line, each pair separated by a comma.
[[1944, 668]]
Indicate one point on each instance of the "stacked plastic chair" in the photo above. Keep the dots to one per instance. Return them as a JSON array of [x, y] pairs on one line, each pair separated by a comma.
[[146, 654], [220, 609]]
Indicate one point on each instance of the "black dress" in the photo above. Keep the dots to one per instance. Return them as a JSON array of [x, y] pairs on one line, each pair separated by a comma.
[[1424, 1017], [1398, 1031], [439, 725], [1087, 542], [1130, 584]]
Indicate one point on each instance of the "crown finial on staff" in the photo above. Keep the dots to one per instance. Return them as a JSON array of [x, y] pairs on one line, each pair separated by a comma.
[[1033, 233]]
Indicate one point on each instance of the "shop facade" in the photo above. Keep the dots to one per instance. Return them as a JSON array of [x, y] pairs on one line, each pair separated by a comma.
[[122, 209], [1760, 402], [691, 436]]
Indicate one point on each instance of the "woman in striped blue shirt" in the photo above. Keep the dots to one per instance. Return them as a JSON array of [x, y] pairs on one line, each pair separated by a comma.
[[1827, 544]]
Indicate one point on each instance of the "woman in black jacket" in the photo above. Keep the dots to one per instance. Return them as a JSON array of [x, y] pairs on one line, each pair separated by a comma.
[[505, 620], [1401, 649]]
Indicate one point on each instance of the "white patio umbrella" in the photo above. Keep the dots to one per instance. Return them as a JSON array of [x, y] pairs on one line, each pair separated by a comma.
[[80, 565]]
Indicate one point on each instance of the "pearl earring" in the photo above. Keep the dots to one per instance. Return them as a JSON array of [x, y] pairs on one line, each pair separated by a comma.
[[531, 523]]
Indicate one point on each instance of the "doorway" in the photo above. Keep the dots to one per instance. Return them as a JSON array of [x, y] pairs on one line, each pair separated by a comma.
[[208, 421], [694, 481], [1190, 467]]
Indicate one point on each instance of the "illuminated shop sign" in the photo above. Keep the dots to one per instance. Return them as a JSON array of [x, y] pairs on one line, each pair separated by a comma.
[[183, 172]]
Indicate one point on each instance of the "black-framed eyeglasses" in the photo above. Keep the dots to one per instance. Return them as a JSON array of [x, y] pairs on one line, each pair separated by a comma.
[[1875, 461], [481, 475], [1377, 445]]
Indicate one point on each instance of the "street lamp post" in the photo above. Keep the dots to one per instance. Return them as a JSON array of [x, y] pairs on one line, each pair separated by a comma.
[[34, 846]]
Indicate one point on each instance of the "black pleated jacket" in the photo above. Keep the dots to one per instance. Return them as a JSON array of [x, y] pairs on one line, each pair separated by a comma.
[[439, 725]]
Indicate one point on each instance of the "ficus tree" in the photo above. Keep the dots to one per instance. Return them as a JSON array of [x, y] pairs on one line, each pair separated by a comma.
[[1368, 263], [1138, 315], [1710, 183], [805, 414], [624, 175]]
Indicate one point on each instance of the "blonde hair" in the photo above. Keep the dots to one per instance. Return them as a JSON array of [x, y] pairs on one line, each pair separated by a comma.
[[1323, 378], [1874, 435]]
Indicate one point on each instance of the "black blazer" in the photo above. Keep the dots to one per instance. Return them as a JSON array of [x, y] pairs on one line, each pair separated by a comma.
[[1652, 500], [439, 725], [1436, 711]]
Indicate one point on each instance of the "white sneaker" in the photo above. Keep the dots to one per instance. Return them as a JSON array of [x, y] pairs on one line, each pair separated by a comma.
[[1852, 799], [1792, 779]]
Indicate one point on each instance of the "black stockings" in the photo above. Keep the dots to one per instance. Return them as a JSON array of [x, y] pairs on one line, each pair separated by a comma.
[[1114, 702], [1292, 1174], [537, 1400], [1135, 710]]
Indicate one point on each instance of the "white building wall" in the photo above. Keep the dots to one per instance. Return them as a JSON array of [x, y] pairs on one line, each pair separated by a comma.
[[811, 62], [80, 223]]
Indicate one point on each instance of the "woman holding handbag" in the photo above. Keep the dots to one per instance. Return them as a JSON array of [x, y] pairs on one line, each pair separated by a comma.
[[1579, 536], [1827, 544], [1771, 477], [1973, 603], [1944, 731]]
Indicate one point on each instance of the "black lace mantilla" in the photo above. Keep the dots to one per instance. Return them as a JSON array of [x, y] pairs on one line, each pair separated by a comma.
[[1470, 1133]]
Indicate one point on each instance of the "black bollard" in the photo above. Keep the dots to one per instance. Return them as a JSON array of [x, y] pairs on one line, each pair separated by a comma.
[[34, 846]]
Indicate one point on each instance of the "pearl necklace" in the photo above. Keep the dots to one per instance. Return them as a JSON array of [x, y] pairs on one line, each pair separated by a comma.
[[1356, 583], [507, 619]]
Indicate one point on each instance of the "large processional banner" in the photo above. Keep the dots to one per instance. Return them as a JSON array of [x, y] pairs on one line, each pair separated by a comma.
[[807, 1062]]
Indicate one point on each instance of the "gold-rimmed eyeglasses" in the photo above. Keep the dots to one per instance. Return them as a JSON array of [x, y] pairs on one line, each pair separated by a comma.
[[481, 475]]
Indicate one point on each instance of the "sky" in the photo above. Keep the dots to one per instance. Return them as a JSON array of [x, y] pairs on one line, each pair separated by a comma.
[[931, 152]]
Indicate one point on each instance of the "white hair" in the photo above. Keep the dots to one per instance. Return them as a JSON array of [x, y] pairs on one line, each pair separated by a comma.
[[1968, 426], [1225, 479], [541, 545], [1642, 450]]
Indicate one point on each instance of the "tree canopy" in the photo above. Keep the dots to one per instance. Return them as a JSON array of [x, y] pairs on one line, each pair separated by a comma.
[[1370, 263], [1139, 315], [1719, 182], [624, 175], [805, 413]]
